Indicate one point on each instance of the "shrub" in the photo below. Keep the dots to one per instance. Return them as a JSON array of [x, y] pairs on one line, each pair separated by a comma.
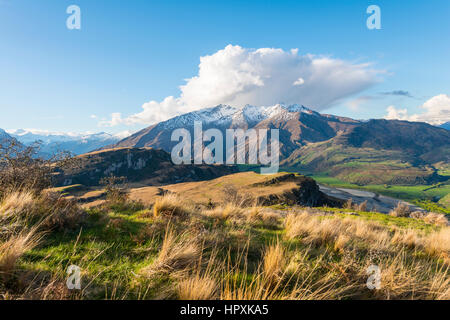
[[348, 204], [401, 210], [362, 206], [22, 169]]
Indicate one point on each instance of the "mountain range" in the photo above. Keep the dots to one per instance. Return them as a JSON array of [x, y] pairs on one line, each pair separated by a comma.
[[55, 142], [363, 152], [298, 125]]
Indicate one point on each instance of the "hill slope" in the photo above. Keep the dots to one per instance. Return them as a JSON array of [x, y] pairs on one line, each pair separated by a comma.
[[146, 165], [379, 152]]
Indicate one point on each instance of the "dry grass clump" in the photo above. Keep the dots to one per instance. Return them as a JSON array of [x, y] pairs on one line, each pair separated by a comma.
[[406, 277], [401, 210], [339, 232], [362, 206], [58, 212], [198, 287], [223, 213], [16, 203], [418, 214], [274, 262], [437, 219], [14, 248], [267, 217], [349, 204], [438, 243], [176, 254], [294, 278], [202, 283], [171, 205], [48, 210], [408, 238]]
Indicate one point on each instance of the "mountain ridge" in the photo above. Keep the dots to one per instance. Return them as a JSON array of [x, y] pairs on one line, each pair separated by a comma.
[[53, 142], [376, 150]]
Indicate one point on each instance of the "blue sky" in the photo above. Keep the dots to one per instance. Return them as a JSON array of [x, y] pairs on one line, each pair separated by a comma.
[[130, 52]]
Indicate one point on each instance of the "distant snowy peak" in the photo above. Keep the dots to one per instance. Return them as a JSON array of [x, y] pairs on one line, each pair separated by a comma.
[[220, 113], [77, 143], [225, 115], [4, 135], [29, 136]]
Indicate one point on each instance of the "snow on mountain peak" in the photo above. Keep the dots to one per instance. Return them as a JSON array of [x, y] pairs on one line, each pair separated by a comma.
[[225, 114]]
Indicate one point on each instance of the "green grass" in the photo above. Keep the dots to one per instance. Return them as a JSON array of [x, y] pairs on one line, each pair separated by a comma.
[[385, 219]]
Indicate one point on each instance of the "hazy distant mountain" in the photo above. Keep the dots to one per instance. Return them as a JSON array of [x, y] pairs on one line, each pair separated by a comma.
[[445, 125], [4, 135], [54, 142]]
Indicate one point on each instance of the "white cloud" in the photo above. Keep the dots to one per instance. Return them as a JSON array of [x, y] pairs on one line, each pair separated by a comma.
[[238, 76], [436, 111], [298, 82]]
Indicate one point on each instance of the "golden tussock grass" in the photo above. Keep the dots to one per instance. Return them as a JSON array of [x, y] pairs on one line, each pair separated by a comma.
[[274, 262], [438, 243], [14, 248], [318, 231], [197, 287], [437, 219], [264, 216], [16, 202], [171, 205], [175, 255]]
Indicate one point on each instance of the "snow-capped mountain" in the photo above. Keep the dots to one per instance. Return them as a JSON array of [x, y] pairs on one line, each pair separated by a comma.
[[225, 115], [298, 125], [52, 142], [4, 137]]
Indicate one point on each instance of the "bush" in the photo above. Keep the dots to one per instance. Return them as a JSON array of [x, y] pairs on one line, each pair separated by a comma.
[[22, 169], [401, 210]]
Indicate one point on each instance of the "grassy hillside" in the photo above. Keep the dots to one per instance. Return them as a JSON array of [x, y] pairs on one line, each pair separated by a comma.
[[177, 249], [380, 152], [362, 166]]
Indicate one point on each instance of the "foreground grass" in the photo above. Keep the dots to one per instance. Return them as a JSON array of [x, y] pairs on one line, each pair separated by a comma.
[[177, 250]]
